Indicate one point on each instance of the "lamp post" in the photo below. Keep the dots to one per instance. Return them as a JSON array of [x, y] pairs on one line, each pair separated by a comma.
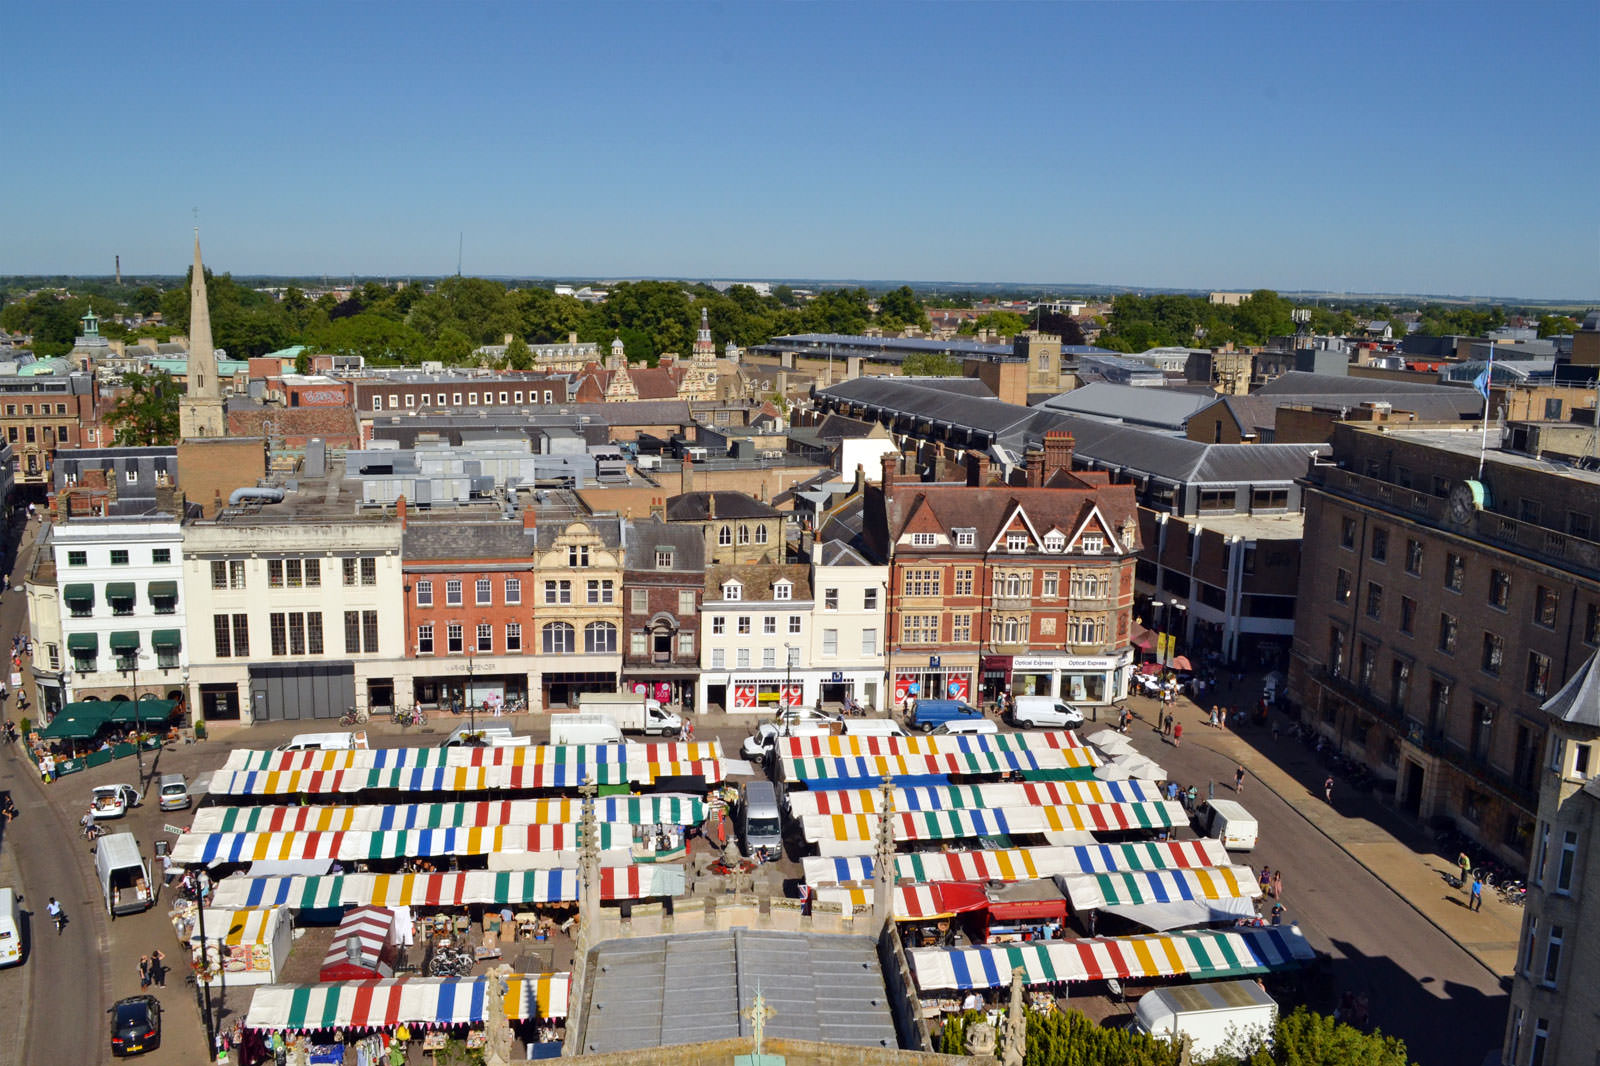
[[788, 674], [130, 670], [472, 708]]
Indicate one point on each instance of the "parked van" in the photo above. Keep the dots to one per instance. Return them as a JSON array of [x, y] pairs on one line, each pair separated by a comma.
[[1046, 711], [632, 712], [584, 729], [10, 928], [965, 727], [321, 742], [124, 875], [1212, 1015], [485, 736], [874, 727], [929, 713], [1228, 822], [760, 820], [174, 792]]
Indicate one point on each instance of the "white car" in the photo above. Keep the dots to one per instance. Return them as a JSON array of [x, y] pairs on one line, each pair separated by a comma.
[[760, 744], [805, 716], [112, 801], [1046, 711]]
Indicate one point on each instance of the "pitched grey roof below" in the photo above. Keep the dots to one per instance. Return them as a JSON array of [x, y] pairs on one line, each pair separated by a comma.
[[1168, 408], [658, 991], [645, 535], [1578, 702], [696, 506], [429, 539], [1301, 383]]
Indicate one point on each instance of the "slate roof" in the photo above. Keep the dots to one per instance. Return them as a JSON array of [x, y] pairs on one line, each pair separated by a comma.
[[1578, 702], [845, 537], [427, 540], [1166, 408], [837, 427], [646, 534], [607, 527], [758, 578], [920, 507], [650, 992], [1302, 383], [696, 507]]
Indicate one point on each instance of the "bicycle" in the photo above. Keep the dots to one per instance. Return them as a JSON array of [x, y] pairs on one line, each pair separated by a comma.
[[353, 717], [408, 716]]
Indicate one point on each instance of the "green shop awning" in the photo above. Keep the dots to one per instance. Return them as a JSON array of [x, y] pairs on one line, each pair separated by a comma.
[[86, 717], [88, 643], [78, 594], [121, 590], [125, 640], [166, 638], [163, 590]]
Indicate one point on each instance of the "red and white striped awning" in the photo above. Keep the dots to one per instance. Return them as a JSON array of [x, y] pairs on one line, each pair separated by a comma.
[[424, 1001], [362, 948], [912, 902]]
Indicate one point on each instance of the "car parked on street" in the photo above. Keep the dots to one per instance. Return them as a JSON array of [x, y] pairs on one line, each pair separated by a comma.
[[135, 1025], [112, 801]]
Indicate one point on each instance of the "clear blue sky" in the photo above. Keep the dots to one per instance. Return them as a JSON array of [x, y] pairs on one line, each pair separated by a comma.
[[1429, 147]]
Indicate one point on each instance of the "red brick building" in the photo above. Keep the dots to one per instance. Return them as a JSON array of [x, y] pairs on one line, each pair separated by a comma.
[[663, 581], [1026, 586]]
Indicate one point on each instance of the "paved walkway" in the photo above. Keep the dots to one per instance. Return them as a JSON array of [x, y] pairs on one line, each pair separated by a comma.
[[1396, 850]]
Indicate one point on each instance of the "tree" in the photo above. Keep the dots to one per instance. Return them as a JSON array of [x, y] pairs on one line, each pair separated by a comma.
[[1307, 1039], [518, 355], [146, 300], [1006, 323], [148, 413], [453, 347], [302, 361], [930, 365], [900, 308], [1557, 325]]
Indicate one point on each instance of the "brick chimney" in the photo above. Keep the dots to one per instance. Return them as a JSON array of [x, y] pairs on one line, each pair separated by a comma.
[[1033, 458], [1057, 451], [891, 462], [977, 469], [530, 517], [400, 509]]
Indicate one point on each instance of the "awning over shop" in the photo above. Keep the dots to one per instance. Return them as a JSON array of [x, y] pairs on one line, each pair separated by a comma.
[[163, 590], [125, 640], [169, 639], [78, 595], [85, 718], [121, 590], [443, 1001], [1230, 953], [88, 643]]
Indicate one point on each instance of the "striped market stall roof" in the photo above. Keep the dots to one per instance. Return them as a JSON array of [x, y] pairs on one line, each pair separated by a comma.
[[207, 849], [1205, 955], [973, 797], [385, 1004], [826, 747], [874, 767], [239, 925], [276, 773], [1020, 864], [1099, 890], [628, 810], [1005, 821], [913, 902]]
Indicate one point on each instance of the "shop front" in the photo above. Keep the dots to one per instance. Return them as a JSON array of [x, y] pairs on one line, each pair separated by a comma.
[[1081, 679], [936, 679]]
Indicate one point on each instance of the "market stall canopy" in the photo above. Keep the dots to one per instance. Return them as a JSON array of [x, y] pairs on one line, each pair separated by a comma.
[[363, 947], [1021, 864], [1167, 899], [622, 810], [85, 718], [1128, 767], [239, 925], [846, 746], [1201, 955], [1027, 901], [494, 887], [1111, 742], [443, 1001], [862, 829], [969, 797], [913, 902], [208, 849]]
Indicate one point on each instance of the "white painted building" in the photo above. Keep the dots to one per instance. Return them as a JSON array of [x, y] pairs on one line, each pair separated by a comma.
[[847, 655], [755, 638]]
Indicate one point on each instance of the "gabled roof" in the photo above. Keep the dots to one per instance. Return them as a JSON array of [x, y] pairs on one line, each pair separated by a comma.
[[845, 534], [1578, 702], [685, 541], [427, 540], [758, 579], [696, 507], [989, 509], [1166, 408]]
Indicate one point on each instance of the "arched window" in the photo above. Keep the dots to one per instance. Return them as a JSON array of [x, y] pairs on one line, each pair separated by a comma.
[[744, 534], [600, 637], [1014, 585], [761, 534], [558, 639], [724, 536]]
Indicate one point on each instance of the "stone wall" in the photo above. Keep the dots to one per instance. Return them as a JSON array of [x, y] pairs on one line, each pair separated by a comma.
[[793, 1052]]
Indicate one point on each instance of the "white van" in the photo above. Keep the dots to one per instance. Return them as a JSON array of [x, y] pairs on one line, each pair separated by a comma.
[[124, 875], [760, 820], [584, 729], [10, 928], [321, 742], [1214, 1016], [1229, 822], [874, 727], [966, 727], [1045, 711], [485, 736]]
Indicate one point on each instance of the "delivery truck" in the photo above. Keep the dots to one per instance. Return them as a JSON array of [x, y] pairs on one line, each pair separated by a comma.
[[632, 713], [124, 875], [1217, 1015]]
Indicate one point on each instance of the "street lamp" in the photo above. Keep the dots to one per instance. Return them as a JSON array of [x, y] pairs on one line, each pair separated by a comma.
[[130, 669], [788, 673], [466, 695]]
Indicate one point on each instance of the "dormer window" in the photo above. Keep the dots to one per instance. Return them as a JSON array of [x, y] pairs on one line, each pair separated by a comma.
[[732, 590], [1016, 542], [1055, 541], [922, 540], [966, 538], [1094, 543], [782, 590]]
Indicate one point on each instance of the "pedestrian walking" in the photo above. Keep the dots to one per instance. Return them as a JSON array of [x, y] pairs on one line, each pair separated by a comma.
[[158, 968], [1212, 721], [1169, 723], [1266, 880], [1222, 718], [1277, 883], [1177, 734], [57, 915], [144, 971], [1238, 780], [1327, 789], [1464, 861], [1477, 895]]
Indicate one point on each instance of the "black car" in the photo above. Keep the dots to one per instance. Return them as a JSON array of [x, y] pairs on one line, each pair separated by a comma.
[[135, 1025]]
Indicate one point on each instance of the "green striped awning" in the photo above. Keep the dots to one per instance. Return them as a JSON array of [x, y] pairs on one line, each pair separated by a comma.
[[166, 638], [84, 642], [121, 590], [125, 640], [78, 594], [163, 590]]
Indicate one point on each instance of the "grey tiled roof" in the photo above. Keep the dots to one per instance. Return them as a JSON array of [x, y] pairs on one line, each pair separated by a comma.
[[1302, 384], [426, 539], [652, 992], [1129, 403], [1578, 702], [696, 507], [646, 535]]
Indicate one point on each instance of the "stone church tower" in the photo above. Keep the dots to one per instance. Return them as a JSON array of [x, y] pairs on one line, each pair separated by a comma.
[[705, 349], [200, 412]]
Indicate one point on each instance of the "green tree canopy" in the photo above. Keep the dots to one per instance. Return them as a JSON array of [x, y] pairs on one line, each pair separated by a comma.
[[900, 308], [518, 355], [1307, 1039], [1005, 323], [931, 365], [148, 414]]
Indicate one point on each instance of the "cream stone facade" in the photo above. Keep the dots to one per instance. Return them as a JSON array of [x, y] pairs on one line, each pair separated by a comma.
[[577, 609], [846, 658]]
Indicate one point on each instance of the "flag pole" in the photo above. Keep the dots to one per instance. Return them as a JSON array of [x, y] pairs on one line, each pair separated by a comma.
[[1487, 379]]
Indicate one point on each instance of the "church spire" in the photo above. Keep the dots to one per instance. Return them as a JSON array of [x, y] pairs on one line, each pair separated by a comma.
[[200, 412], [705, 349]]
